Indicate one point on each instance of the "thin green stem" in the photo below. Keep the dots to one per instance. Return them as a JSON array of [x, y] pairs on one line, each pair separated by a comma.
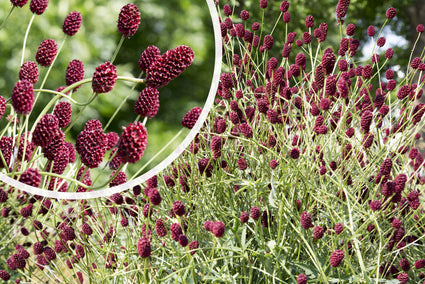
[[94, 95], [114, 56], [121, 104], [411, 53], [26, 37], [51, 65], [51, 102], [60, 176], [145, 271], [111, 178], [131, 79], [76, 84], [59, 94], [7, 17], [46, 108], [157, 154]]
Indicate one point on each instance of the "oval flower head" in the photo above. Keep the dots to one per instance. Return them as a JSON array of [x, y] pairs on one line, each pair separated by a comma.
[[133, 142], [104, 78], [169, 66], [128, 20], [72, 23]]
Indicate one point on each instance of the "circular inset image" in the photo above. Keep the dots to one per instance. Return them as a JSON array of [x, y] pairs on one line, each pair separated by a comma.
[[90, 115]]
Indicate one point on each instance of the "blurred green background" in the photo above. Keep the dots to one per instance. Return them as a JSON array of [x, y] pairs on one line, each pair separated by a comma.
[[165, 24]]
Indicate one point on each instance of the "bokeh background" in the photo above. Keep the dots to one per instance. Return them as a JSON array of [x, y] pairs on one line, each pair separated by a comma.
[[165, 24]]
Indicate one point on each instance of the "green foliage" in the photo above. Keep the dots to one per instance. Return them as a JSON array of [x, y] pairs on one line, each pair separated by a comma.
[[213, 186]]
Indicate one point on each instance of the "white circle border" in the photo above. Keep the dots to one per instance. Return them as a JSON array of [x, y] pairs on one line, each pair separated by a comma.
[[167, 161]]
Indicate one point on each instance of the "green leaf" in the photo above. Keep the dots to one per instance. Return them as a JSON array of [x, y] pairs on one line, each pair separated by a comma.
[[272, 196], [243, 238]]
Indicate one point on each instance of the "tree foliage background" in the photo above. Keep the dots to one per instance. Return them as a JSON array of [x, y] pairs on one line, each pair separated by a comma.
[[166, 24]]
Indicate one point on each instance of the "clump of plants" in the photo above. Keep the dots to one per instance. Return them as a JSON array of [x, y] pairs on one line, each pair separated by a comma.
[[37, 149], [306, 171]]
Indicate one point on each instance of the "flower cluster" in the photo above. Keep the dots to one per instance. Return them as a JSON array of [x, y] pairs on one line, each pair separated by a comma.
[[309, 158]]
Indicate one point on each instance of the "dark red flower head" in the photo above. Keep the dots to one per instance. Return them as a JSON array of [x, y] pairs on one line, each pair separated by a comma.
[[86, 229], [104, 78], [74, 72], [403, 91], [71, 151], [120, 178], [255, 213], [144, 247], [381, 41], [113, 138], [244, 217], [4, 275], [46, 129], [338, 228], [176, 231], [183, 240], [309, 21], [93, 124], [341, 8], [6, 148], [23, 97], [246, 130], [351, 28], [227, 10], [218, 229], [154, 196], [306, 37], [178, 208], [193, 245], [147, 104], [2, 106], [302, 279], [371, 31], [191, 117], [46, 52], [170, 65], [31, 177], [128, 20], [148, 57], [63, 112], [38, 6], [391, 12], [366, 120], [244, 15], [284, 6], [133, 142], [286, 17], [29, 72], [55, 146], [420, 263], [160, 228], [18, 3], [60, 162], [294, 153], [268, 42], [336, 257], [91, 145], [72, 23], [305, 219]]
